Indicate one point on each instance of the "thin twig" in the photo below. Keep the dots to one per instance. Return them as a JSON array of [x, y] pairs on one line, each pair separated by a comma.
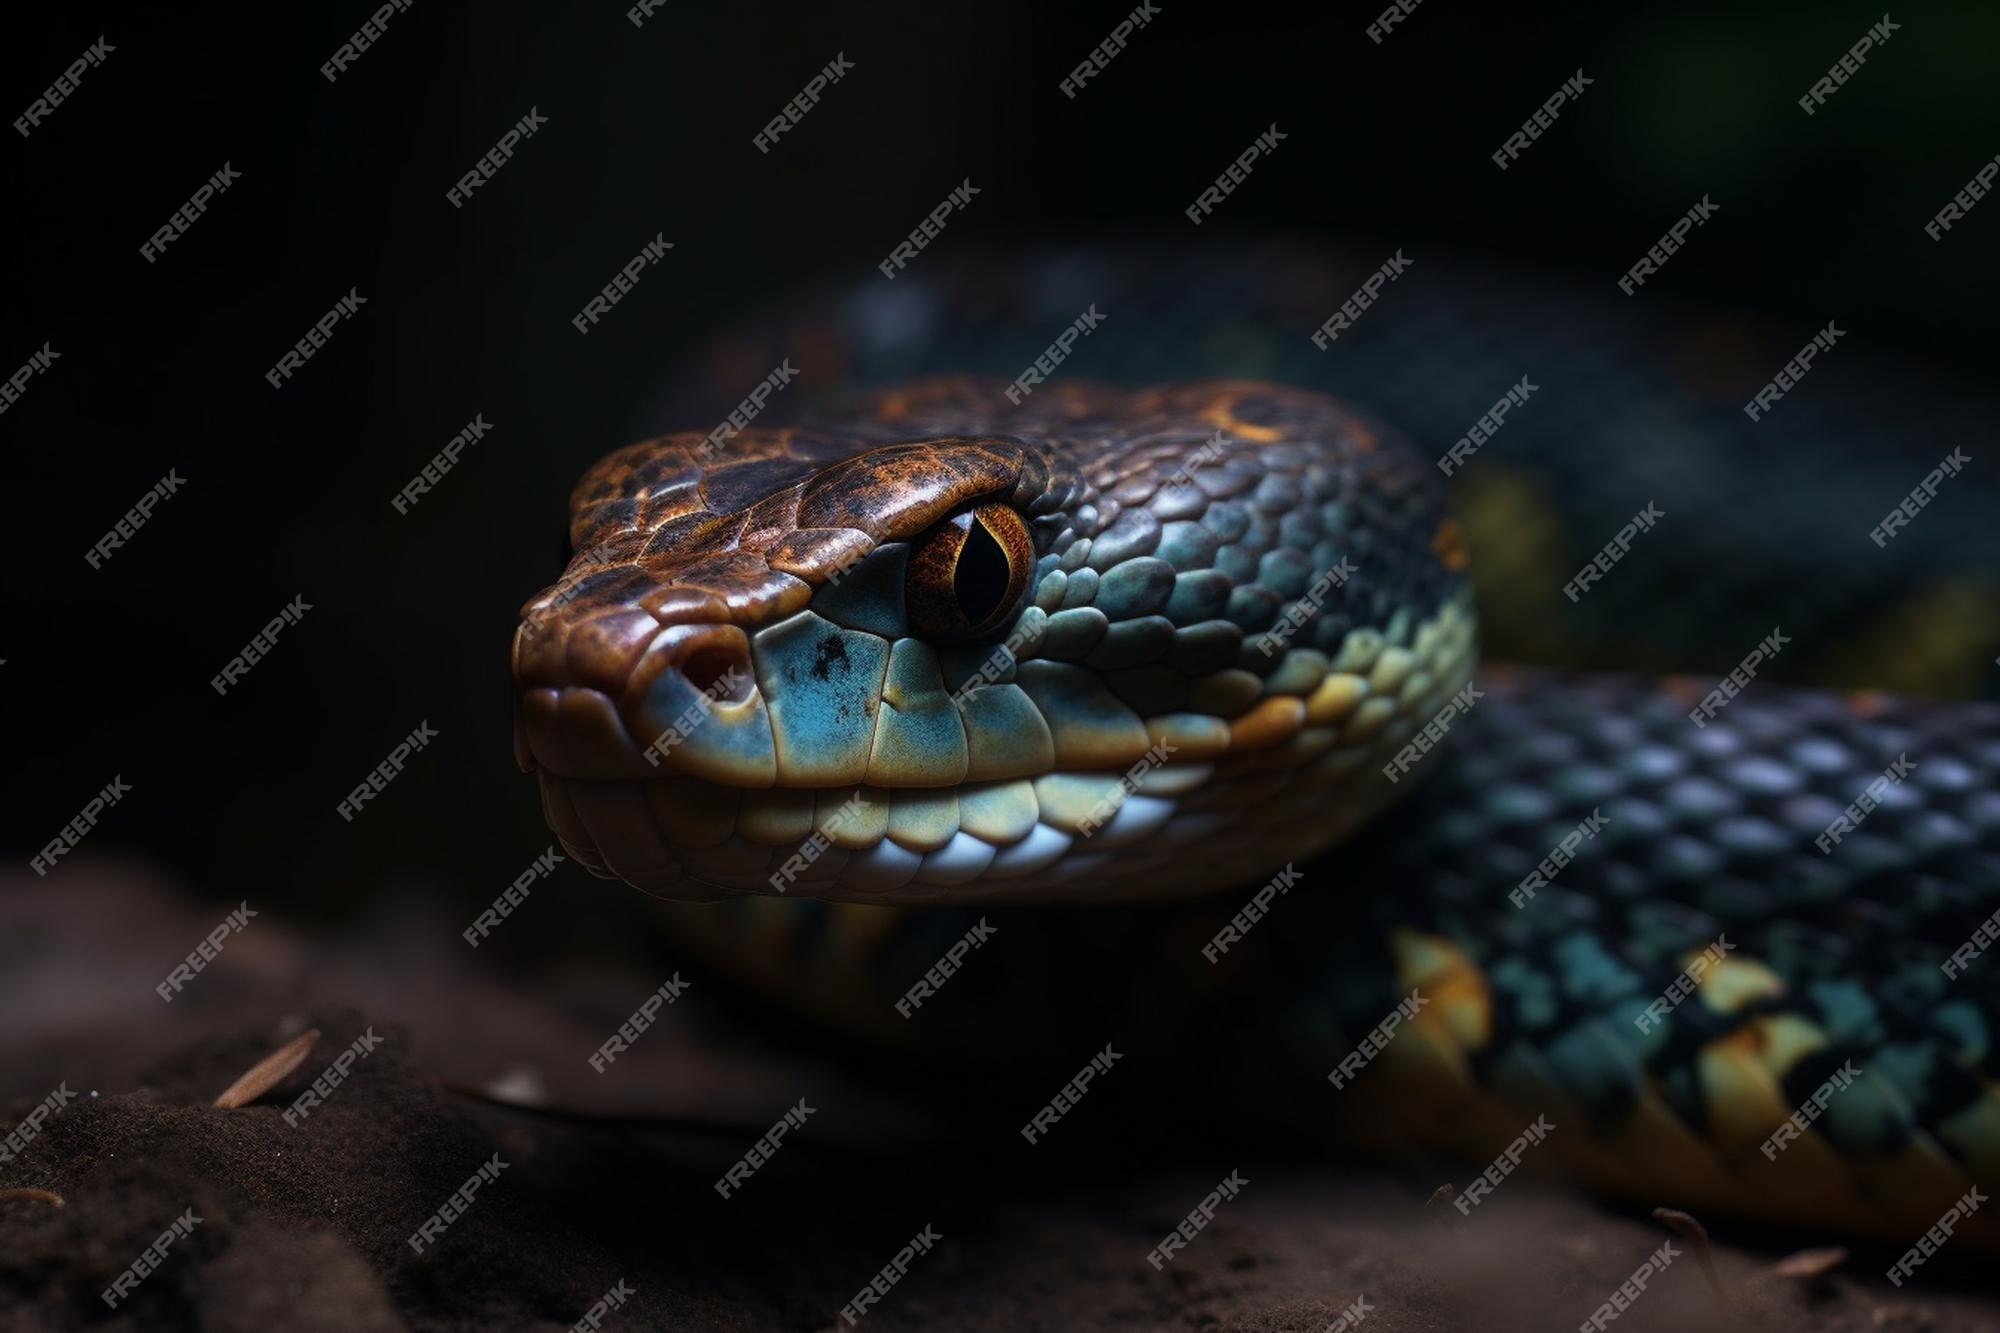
[[266, 1073]]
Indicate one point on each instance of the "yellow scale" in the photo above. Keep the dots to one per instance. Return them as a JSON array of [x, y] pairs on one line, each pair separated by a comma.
[[1426, 1097]]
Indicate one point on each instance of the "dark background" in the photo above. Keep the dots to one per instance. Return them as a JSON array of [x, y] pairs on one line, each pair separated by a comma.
[[287, 492]]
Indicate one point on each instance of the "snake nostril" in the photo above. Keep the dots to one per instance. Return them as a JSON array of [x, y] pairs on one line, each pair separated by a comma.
[[719, 670]]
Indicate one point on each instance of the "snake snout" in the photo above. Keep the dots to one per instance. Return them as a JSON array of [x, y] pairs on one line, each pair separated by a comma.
[[693, 704], [719, 670], [618, 696]]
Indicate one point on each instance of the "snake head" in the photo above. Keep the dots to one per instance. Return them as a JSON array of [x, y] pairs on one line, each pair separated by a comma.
[[1099, 644]]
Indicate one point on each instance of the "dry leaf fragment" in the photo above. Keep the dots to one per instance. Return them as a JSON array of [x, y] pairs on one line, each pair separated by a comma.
[[49, 1197], [264, 1075], [1810, 1264]]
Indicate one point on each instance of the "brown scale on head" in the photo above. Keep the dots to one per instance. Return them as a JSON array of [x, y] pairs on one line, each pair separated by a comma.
[[941, 645]]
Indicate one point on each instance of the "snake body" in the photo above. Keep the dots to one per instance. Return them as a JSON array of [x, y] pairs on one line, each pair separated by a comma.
[[1243, 634]]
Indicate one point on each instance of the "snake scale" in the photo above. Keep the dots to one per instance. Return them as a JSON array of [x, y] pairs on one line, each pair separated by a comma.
[[952, 650]]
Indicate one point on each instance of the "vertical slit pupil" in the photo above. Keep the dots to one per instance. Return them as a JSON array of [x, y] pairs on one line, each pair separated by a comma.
[[981, 577]]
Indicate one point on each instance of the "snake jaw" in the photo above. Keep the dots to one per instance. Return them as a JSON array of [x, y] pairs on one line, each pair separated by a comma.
[[727, 688]]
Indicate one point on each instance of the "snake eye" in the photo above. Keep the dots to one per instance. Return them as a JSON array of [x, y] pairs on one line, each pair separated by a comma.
[[968, 572]]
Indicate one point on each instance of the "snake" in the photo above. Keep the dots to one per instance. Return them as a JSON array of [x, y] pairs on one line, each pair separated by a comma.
[[1179, 684]]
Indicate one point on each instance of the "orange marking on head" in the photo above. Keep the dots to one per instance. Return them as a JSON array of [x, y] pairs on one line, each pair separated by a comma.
[[1223, 419]]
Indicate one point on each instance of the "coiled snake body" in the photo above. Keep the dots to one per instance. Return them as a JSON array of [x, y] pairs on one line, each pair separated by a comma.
[[947, 648]]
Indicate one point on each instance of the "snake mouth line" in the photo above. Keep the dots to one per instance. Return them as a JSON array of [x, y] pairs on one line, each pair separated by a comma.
[[907, 840], [1187, 802]]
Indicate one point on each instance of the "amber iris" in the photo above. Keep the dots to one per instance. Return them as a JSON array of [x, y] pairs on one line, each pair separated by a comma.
[[968, 572]]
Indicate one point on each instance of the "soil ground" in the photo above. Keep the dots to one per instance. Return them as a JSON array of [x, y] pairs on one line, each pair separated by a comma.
[[609, 1178]]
